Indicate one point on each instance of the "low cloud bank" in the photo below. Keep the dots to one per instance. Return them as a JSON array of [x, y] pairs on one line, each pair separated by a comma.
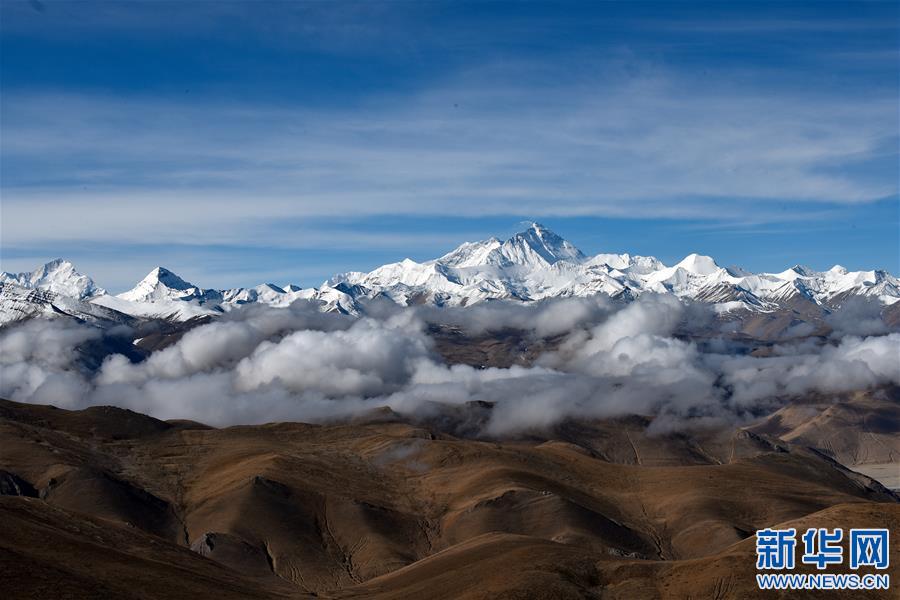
[[260, 364]]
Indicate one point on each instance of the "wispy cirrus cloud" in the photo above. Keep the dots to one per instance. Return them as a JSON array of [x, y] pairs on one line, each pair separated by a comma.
[[632, 146]]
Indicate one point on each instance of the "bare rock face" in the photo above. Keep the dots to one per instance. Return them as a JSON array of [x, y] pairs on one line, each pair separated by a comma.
[[13, 485], [235, 553]]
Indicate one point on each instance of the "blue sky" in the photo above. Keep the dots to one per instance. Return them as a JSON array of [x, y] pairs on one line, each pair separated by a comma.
[[236, 143]]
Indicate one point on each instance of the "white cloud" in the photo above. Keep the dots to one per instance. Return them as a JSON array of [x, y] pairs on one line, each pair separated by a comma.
[[262, 364]]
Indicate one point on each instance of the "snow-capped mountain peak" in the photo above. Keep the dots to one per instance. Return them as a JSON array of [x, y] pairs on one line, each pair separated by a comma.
[[167, 278], [795, 272], [161, 284], [471, 254], [268, 293], [698, 264], [58, 276], [537, 245], [534, 247], [534, 264]]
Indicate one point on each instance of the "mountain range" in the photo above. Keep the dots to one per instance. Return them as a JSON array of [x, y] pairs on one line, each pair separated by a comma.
[[532, 265]]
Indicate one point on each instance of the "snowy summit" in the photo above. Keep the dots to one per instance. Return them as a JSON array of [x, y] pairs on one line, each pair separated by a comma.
[[533, 264]]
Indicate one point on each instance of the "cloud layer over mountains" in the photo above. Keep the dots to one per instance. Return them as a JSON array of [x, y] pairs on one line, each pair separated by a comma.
[[260, 364]]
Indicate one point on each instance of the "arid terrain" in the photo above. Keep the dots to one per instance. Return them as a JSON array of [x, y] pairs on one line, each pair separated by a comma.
[[105, 502]]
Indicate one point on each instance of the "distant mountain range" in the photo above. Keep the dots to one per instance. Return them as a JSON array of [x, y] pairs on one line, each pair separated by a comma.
[[532, 265]]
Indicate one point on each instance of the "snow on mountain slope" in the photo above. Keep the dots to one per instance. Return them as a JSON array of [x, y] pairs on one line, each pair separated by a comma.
[[626, 263], [537, 247], [266, 293], [58, 276], [163, 294], [18, 303], [825, 287], [471, 254], [163, 284], [531, 265], [172, 309], [329, 299], [698, 265], [57, 289], [537, 263], [332, 299]]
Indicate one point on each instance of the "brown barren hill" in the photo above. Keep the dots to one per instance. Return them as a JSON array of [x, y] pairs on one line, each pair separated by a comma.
[[48, 552], [855, 429], [390, 508]]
